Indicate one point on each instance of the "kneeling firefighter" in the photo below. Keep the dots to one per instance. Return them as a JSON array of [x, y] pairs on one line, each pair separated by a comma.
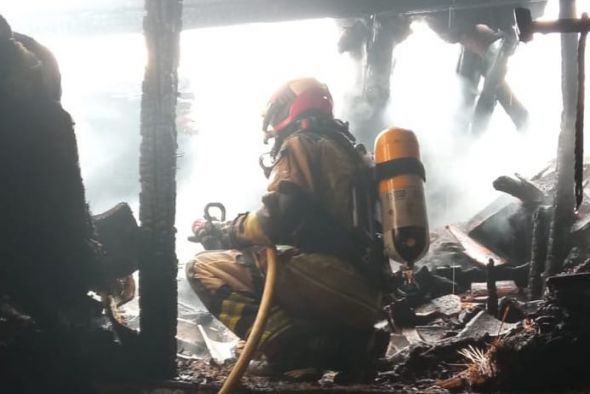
[[330, 266]]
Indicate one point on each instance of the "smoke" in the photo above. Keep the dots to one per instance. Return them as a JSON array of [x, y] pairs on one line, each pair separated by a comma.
[[226, 76], [426, 97], [101, 78], [232, 72]]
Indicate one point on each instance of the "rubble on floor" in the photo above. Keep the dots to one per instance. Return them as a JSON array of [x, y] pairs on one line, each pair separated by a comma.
[[501, 338], [461, 324], [466, 320]]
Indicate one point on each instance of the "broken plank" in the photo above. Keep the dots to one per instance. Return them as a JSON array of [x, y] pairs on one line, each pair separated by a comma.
[[503, 288], [474, 249]]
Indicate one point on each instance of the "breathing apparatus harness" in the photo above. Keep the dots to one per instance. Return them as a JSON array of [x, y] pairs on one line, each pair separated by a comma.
[[331, 128], [319, 231], [364, 245]]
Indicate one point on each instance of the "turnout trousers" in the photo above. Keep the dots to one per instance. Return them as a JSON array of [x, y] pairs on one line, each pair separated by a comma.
[[322, 312]]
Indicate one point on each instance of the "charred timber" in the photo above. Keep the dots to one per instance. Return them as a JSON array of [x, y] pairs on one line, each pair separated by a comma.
[[209, 13], [538, 252], [492, 301], [527, 27], [512, 105], [521, 188], [158, 266], [48, 256], [494, 79], [383, 36], [384, 32], [201, 13], [563, 205]]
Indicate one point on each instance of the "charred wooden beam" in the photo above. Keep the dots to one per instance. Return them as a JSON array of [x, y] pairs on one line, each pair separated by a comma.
[[527, 26], [474, 249], [564, 202], [48, 255], [201, 13], [492, 301], [384, 32], [158, 266], [118, 233], [519, 187], [109, 16], [512, 105], [476, 31], [494, 79], [571, 291], [538, 252]]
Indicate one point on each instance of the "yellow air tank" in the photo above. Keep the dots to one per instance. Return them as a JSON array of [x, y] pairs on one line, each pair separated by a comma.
[[401, 177]]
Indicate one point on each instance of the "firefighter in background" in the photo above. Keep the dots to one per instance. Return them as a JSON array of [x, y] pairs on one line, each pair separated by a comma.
[[326, 299]]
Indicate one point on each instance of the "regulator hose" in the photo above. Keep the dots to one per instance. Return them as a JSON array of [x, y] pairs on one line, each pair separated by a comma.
[[258, 327]]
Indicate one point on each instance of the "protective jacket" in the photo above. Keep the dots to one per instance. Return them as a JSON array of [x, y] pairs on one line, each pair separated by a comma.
[[320, 292], [309, 204]]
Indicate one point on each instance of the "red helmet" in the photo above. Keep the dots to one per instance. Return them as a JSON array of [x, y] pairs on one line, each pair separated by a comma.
[[295, 99]]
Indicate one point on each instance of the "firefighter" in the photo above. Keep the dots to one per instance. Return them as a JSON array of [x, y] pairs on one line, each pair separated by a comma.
[[326, 303]]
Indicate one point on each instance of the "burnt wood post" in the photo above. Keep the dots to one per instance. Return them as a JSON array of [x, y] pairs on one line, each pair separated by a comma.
[[493, 83], [492, 301], [538, 252], [564, 202], [158, 268], [378, 35], [386, 31], [379, 56]]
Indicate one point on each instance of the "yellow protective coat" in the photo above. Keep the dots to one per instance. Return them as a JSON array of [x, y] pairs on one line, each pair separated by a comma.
[[321, 289]]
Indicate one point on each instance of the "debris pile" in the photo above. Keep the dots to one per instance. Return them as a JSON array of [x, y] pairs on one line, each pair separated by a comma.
[[493, 332], [467, 319]]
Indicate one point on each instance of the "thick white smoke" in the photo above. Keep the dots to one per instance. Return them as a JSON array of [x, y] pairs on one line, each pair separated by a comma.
[[231, 72], [426, 97]]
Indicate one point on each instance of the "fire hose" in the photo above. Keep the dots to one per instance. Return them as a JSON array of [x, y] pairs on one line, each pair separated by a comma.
[[265, 303], [258, 327]]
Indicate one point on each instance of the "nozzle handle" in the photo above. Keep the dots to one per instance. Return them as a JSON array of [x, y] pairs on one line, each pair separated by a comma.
[[207, 214]]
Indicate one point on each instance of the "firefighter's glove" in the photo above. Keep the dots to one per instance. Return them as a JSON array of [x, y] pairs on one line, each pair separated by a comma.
[[212, 234]]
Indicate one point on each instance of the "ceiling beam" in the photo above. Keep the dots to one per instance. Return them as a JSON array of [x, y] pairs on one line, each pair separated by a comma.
[[208, 13], [99, 18]]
